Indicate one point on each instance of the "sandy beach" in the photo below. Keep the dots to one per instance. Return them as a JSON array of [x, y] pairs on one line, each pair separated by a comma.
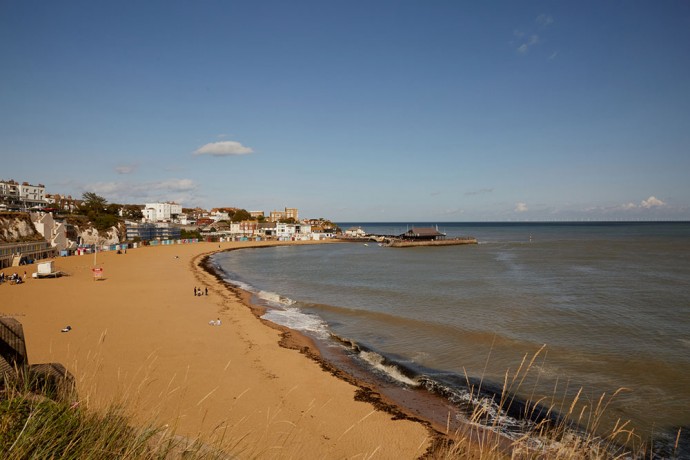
[[141, 337]]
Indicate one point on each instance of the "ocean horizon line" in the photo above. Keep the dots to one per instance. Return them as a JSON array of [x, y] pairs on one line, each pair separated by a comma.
[[427, 222]]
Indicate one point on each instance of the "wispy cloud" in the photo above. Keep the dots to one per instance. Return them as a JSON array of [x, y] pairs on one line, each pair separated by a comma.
[[544, 20], [126, 169], [521, 207], [451, 212], [479, 192], [223, 149], [530, 42], [179, 190], [527, 40]]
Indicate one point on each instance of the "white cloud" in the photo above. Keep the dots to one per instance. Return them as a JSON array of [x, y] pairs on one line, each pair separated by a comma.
[[649, 203], [527, 40], [652, 202], [521, 207], [179, 190], [174, 185], [223, 148], [531, 41], [126, 169]]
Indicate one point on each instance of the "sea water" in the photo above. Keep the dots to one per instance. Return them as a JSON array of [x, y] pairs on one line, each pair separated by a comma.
[[608, 302]]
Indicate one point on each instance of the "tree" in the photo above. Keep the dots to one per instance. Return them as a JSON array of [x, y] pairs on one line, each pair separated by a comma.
[[132, 211], [113, 209], [189, 234], [240, 215], [93, 204]]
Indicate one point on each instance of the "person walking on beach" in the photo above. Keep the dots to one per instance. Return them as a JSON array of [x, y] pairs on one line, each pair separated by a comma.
[[194, 291], [206, 291]]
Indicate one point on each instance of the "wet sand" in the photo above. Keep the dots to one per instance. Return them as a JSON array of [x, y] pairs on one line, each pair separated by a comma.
[[141, 338]]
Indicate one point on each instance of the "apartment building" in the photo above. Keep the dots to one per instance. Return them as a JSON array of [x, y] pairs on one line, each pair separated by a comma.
[[161, 212], [289, 213], [23, 196]]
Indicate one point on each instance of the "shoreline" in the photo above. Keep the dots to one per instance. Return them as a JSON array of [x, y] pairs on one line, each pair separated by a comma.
[[435, 410], [139, 338], [295, 340], [414, 404]]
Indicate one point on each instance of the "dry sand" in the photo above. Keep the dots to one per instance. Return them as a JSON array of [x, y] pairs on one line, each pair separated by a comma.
[[141, 337]]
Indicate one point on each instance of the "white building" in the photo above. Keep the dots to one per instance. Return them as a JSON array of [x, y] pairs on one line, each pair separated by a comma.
[[33, 195], [24, 195], [217, 216], [293, 231], [161, 212], [54, 232], [355, 232]]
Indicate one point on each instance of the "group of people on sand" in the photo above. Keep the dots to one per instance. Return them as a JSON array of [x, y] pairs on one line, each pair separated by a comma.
[[14, 278], [204, 291]]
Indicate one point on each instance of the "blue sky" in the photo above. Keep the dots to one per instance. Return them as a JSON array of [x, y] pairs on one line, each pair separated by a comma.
[[355, 111]]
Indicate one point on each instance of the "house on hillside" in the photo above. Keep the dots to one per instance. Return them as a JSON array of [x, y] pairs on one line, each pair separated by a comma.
[[56, 233], [355, 232]]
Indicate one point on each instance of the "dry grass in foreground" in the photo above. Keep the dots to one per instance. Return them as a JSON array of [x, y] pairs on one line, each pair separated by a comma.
[[576, 433], [32, 425]]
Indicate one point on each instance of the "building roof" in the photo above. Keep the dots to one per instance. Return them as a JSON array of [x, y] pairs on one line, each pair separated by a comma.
[[423, 232]]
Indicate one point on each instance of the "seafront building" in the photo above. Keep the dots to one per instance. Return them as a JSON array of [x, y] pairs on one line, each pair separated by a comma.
[[147, 231], [21, 197], [20, 243], [355, 232], [20, 253], [289, 213], [160, 221], [161, 212]]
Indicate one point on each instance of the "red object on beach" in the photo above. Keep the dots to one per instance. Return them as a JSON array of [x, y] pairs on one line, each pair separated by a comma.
[[97, 272]]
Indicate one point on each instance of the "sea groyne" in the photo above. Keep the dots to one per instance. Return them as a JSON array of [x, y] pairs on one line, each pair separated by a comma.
[[401, 243]]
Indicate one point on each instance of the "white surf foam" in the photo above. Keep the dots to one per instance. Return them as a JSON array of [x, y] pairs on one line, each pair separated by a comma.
[[274, 300], [294, 318], [377, 362]]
